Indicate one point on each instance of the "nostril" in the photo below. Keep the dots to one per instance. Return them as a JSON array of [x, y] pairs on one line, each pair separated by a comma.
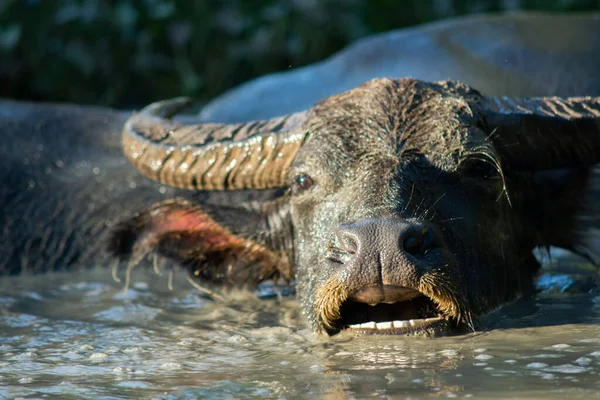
[[348, 242], [413, 242]]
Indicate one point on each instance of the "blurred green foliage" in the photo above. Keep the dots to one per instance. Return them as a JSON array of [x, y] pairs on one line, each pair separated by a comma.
[[130, 52]]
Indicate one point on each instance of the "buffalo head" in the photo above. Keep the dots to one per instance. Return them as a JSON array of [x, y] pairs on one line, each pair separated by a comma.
[[407, 207]]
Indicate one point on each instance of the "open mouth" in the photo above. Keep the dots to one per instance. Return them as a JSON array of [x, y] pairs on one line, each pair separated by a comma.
[[390, 310]]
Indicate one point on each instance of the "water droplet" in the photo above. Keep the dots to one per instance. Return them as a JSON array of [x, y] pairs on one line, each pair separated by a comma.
[[450, 353], [237, 339], [536, 365], [583, 361], [171, 366], [132, 350], [567, 369]]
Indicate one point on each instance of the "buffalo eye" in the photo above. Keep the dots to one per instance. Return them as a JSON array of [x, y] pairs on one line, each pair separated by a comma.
[[476, 168], [301, 184]]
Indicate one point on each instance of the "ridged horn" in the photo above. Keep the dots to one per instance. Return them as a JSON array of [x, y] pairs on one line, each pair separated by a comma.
[[211, 156], [545, 133]]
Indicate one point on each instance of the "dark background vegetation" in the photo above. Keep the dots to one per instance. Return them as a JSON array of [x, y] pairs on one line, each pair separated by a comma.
[[125, 53]]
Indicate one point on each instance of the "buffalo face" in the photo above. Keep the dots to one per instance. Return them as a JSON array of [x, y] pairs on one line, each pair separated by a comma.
[[408, 207]]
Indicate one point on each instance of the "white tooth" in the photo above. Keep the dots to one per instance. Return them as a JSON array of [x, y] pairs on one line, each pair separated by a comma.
[[432, 319], [368, 325], [384, 325], [411, 322], [355, 326], [401, 324]]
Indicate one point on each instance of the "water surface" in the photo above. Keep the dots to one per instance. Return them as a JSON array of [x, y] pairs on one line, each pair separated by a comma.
[[78, 335]]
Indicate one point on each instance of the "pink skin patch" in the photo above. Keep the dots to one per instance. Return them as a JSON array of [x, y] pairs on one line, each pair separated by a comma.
[[183, 232], [193, 220]]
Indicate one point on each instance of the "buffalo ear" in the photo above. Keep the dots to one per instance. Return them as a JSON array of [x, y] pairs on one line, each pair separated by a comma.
[[558, 141], [540, 134], [560, 208], [586, 231], [193, 237]]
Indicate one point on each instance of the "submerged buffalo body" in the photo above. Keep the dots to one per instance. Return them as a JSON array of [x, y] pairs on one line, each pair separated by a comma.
[[399, 207]]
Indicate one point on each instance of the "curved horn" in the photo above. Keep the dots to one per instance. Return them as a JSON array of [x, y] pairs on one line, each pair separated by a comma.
[[210, 156], [545, 133]]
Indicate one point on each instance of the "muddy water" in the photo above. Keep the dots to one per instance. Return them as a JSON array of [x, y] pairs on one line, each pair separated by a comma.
[[79, 335]]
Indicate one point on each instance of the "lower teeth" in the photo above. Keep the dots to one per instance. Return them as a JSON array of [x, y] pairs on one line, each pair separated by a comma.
[[394, 324]]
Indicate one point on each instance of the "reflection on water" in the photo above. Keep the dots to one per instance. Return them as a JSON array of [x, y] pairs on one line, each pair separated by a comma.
[[79, 335]]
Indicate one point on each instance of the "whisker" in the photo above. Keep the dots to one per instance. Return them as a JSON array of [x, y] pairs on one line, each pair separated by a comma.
[[202, 289], [170, 282], [489, 137], [115, 267], [130, 266], [470, 323], [419, 207], [412, 190], [155, 264], [432, 206]]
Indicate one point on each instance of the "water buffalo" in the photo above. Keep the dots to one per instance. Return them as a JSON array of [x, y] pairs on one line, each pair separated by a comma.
[[411, 207], [399, 207]]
